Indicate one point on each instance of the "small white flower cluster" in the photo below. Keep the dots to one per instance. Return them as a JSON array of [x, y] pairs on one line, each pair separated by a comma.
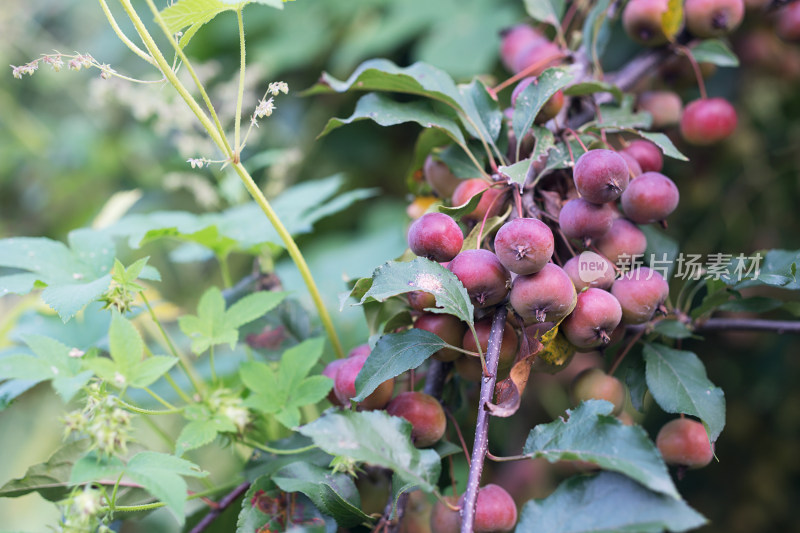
[[196, 162], [56, 62], [266, 105]]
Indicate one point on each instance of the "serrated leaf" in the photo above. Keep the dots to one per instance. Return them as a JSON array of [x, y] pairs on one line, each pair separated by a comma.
[[604, 503], [776, 268], [533, 98], [195, 13], [517, 172], [592, 434], [457, 211], [201, 432], [677, 380], [262, 510], [49, 479], [661, 252], [73, 276], [334, 494], [593, 86], [150, 370], [547, 11], [484, 116], [756, 304], [376, 438], [387, 112], [125, 344], [394, 354], [716, 52], [621, 117], [393, 278], [252, 306]]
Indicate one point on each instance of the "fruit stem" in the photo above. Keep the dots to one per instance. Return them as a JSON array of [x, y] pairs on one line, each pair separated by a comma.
[[627, 349], [237, 123], [480, 447], [685, 50], [460, 435]]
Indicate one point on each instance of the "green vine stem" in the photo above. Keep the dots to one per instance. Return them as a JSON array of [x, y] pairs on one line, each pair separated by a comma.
[[237, 123], [221, 142], [276, 451]]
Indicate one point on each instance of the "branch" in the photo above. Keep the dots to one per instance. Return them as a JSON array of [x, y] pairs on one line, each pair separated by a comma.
[[223, 504], [748, 324], [482, 427]]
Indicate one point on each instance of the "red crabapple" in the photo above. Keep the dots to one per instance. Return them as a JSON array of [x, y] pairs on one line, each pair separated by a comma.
[[495, 510], [594, 384], [508, 344], [584, 220], [435, 236], [684, 442], [547, 295], [600, 175], [449, 328], [595, 317], [483, 275], [425, 414], [647, 154], [623, 239], [439, 177], [640, 292], [598, 271], [524, 245], [345, 385], [665, 107], [649, 198], [492, 198], [707, 121], [642, 20], [713, 18]]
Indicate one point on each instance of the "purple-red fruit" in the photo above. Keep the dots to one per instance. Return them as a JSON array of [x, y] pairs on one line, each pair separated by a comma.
[[640, 292], [590, 270], [483, 275], [524, 245], [642, 20], [647, 154], [439, 177], [443, 518], [515, 40], [536, 56], [684, 442], [787, 24], [665, 107], [584, 220], [330, 372], [547, 295], [708, 121], [633, 165], [495, 510], [421, 300], [449, 328], [600, 175], [594, 384], [435, 236], [345, 385], [491, 202], [425, 414], [624, 239], [649, 198], [596, 315], [508, 344], [713, 18]]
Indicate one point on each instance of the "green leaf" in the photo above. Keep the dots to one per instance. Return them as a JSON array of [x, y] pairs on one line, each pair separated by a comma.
[[677, 380], [195, 13], [716, 52], [422, 274], [150, 370], [604, 503], [632, 371], [262, 510], [73, 276], [484, 116], [201, 432], [282, 393], [674, 329], [335, 495], [161, 475], [387, 112], [596, 30], [492, 224], [663, 142], [214, 325], [394, 354], [383, 75], [517, 172], [661, 252], [620, 117], [93, 467], [756, 304], [592, 434], [547, 11], [457, 211], [49, 479], [776, 268], [376, 438], [533, 98], [593, 86], [125, 345]]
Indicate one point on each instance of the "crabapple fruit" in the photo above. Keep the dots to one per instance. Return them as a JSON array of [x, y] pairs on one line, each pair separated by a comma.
[[640, 292], [594, 384], [584, 220], [642, 20], [345, 385], [435, 236], [425, 414], [599, 277], [708, 121], [665, 107], [483, 275], [649, 198], [647, 154], [595, 317], [508, 344], [684, 442], [547, 295], [623, 239], [713, 18], [439, 177], [491, 201], [524, 245], [449, 328], [495, 510], [600, 175]]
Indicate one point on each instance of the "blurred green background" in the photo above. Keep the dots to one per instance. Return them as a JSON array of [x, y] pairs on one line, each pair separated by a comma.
[[69, 141]]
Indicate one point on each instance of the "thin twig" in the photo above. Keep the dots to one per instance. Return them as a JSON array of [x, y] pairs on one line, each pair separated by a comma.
[[482, 427], [223, 504]]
